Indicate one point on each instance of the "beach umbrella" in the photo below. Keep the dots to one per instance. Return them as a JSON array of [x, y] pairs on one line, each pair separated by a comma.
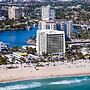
[[23, 54]]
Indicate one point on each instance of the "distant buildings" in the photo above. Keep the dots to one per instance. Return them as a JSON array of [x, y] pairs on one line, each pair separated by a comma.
[[3, 12], [48, 13], [3, 46], [46, 25], [87, 1], [2, 18], [14, 13], [66, 26]]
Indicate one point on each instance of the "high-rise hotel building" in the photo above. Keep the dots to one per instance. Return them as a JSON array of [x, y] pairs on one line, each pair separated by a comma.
[[49, 39]]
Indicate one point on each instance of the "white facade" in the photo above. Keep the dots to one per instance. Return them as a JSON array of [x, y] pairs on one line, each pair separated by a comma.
[[50, 42], [11, 12], [2, 46], [46, 25], [2, 18], [14, 13], [49, 39], [47, 13]]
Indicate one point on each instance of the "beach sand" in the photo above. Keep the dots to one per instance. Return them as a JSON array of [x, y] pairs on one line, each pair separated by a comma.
[[27, 73]]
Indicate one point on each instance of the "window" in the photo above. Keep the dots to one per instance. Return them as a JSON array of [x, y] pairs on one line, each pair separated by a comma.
[[54, 27], [47, 26]]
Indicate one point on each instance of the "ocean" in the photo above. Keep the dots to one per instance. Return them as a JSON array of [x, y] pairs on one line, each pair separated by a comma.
[[60, 83]]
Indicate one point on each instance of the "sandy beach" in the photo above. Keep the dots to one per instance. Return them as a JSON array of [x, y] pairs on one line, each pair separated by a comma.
[[61, 69]]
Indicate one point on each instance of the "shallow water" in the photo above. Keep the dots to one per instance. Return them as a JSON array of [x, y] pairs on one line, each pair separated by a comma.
[[61, 83]]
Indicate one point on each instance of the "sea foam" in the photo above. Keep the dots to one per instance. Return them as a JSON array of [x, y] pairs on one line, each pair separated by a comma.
[[70, 81], [21, 86]]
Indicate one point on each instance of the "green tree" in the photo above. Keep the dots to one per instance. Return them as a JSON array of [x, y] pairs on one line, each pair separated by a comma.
[[3, 60]]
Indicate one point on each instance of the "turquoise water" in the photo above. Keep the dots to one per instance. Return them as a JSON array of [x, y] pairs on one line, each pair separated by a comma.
[[17, 38], [63, 83]]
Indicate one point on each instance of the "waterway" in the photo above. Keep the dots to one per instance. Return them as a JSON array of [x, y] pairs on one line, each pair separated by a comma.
[[18, 37]]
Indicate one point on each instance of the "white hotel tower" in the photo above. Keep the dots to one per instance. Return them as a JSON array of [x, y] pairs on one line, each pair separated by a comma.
[[49, 40]]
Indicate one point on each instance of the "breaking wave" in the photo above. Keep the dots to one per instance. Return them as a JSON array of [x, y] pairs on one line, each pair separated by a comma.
[[36, 84], [21, 86], [70, 81]]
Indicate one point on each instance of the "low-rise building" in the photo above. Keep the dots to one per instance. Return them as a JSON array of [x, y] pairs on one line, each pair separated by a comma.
[[3, 46]]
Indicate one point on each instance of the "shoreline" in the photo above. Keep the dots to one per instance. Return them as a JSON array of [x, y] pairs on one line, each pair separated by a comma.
[[58, 76], [18, 29], [78, 68]]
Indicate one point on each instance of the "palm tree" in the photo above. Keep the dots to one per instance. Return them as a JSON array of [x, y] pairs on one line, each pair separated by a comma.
[[45, 55], [3, 60]]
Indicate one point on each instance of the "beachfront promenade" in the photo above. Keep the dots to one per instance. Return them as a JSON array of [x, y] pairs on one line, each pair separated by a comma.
[[79, 67]]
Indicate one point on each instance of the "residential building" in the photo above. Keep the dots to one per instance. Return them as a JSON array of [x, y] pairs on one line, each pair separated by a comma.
[[65, 25], [3, 11], [47, 24], [48, 13], [3, 46], [14, 12], [87, 1], [2, 18]]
